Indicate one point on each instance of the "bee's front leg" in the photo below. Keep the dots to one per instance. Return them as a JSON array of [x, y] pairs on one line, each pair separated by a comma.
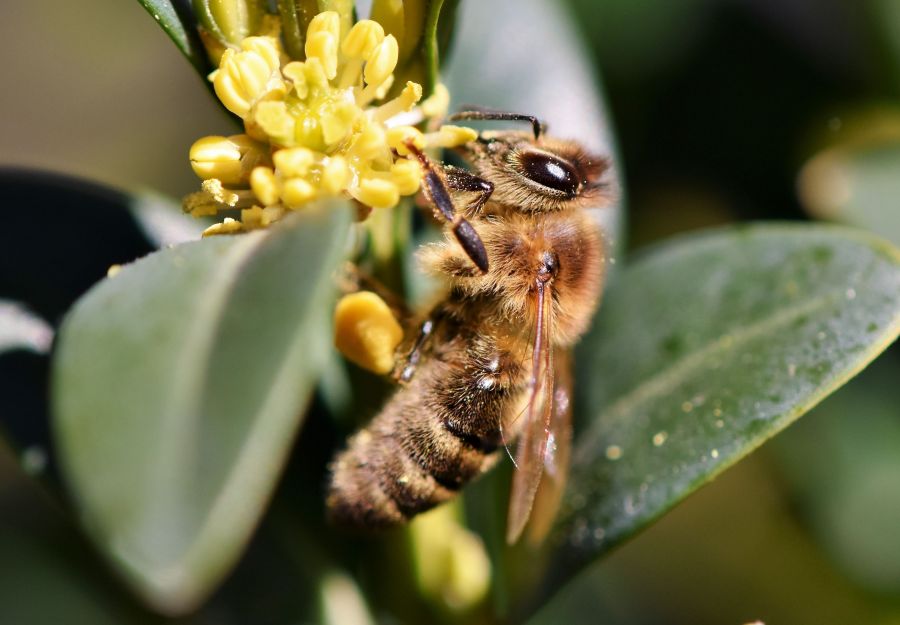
[[436, 191], [459, 179]]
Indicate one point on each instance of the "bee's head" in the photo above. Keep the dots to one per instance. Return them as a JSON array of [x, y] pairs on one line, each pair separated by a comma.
[[539, 174]]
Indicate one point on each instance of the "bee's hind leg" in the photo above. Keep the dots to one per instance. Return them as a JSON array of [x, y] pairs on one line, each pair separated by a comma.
[[406, 366]]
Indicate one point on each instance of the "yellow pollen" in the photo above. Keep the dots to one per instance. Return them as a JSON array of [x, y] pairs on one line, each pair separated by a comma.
[[366, 332], [229, 226]]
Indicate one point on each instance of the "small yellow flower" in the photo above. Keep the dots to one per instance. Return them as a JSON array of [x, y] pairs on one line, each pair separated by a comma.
[[314, 128], [451, 563], [243, 78], [227, 159]]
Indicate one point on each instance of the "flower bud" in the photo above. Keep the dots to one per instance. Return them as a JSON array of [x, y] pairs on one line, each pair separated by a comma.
[[245, 77], [362, 39], [381, 63], [216, 157], [230, 21]]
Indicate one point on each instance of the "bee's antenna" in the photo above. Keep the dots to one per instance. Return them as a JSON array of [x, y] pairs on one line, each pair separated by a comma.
[[478, 113]]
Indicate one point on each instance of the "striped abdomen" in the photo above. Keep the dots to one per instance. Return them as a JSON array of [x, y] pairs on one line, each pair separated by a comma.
[[433, 436]]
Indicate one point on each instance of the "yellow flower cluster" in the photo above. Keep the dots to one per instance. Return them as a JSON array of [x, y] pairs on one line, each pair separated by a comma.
[[314, 128]]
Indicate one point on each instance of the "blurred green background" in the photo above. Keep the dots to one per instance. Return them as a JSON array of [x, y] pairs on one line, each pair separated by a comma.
[[724, 110]]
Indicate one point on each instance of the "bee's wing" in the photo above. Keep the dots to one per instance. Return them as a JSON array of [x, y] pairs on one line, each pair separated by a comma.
[[556, 454], [531, 451]]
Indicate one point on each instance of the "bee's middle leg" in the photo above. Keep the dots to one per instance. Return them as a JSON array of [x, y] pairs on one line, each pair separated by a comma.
[[408, 361]]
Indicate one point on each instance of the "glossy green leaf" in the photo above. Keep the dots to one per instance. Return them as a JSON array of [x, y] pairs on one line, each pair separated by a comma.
[[704, 348], [178, 386], [180, 24], [44, 270]]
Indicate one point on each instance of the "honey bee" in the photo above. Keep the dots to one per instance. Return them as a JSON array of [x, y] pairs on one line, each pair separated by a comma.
[[489, 363]]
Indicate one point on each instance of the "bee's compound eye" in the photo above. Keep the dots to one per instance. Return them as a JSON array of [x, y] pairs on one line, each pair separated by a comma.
[[549, 171]]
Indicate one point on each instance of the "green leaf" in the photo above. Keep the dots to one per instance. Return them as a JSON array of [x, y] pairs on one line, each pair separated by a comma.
[[857, 184], [180, 24], [884, 18], [844, 464], [177, 389], [439, 23], [704, 348]]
